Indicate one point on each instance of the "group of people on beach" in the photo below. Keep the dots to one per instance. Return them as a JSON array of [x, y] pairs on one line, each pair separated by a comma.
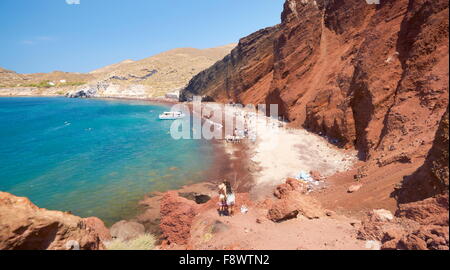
[[247, 131], [227, 199]]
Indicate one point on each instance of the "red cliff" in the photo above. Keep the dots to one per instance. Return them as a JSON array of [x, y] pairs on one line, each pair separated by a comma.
[[371, 76], [24, 226]]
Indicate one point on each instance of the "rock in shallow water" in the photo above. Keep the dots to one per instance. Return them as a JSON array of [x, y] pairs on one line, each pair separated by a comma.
[[196, 197]]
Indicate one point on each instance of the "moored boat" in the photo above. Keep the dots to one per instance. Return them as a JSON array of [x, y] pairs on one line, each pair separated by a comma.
[[171, 115]]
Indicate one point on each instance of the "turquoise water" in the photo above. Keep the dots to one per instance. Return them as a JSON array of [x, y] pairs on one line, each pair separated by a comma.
[[93, 157]]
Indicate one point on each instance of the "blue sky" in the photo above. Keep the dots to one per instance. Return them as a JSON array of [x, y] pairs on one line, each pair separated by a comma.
[[47, 35]]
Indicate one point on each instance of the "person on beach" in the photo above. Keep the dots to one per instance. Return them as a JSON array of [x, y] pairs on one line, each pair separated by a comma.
[[222, 198], [230, 198]]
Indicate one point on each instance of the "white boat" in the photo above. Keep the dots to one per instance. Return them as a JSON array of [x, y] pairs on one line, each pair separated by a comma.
[[171, 115]]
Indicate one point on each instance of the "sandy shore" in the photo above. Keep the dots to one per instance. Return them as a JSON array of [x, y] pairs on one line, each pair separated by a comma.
[[229, 164], [255, 165], [279, 152], [283, 153]]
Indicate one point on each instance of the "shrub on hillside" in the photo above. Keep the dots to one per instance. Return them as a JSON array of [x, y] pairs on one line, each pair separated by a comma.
[[143, 242]]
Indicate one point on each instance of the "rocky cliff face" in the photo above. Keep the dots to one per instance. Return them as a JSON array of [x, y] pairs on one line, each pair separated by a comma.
[[151, 77], [157, 75], [177, 214], [248, 66], [370, 76], [431, 178], [24, 226], [419, 225]]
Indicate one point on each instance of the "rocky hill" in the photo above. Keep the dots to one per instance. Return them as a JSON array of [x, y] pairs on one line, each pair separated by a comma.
[[370, 76], [150, 77], [373, 77], [40, 84], [433, 176], [12, 79], [157, 75], [364, 76], [24, 226]]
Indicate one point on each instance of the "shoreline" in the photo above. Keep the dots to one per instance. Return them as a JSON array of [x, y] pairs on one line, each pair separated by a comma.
[[231, 162], [26, 96], [257, 167], [280, 152], [155, 100], [251, 167], [220, 157]]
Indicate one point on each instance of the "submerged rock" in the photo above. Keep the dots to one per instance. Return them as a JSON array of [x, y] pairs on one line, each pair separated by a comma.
[[196, 197]]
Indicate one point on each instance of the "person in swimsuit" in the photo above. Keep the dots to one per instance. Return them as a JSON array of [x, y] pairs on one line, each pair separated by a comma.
[[230, 198], [222, 198]]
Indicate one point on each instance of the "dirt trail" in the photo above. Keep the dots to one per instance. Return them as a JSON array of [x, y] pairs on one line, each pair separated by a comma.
[[243, 232]]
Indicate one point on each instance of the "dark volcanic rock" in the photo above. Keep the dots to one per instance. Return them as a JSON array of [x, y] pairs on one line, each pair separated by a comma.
[[196, 197]]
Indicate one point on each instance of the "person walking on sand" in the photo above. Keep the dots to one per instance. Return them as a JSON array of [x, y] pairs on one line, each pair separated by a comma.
[[230, 198], [222, 198]]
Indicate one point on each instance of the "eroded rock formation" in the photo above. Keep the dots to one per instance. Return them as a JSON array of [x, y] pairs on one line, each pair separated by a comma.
[[370, 76], [24, 226], [420, 225], [431, 178], [177, 214], [292, 202]]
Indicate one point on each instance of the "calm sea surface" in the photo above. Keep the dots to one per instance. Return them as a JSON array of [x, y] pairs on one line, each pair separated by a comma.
[[93, 157]]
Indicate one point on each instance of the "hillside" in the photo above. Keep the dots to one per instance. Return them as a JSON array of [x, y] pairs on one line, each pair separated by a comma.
[[12, 79], [24, 226], [150, 77], [368, 77], [376, 79], [362, 162], [157, 75]]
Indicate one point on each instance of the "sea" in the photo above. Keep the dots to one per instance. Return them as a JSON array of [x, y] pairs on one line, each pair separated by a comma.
[[93, 157]]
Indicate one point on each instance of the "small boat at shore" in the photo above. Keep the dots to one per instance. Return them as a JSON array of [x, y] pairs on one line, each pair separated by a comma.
[[171, 115]]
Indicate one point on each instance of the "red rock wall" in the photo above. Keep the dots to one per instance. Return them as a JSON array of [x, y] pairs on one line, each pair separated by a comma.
[[24, 226], [177, 214], [371, 76], [433, 177], [245, 67]]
